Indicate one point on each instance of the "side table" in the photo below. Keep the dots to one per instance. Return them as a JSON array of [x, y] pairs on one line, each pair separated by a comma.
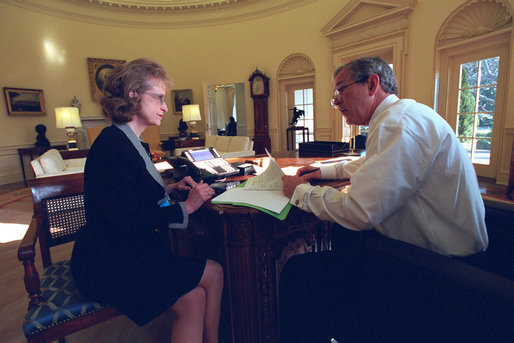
[[291, 133], [176, 142], [33, 153]]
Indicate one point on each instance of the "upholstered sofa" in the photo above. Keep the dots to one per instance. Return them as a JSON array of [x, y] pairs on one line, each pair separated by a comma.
[[226, 146], [52, 163]]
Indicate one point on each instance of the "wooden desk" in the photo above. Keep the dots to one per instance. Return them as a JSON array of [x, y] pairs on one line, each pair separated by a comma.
[[34, 153], [253, 247]]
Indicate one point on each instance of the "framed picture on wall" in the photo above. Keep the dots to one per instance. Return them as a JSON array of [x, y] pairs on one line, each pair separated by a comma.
[[181, 97], [99, 68], [24, 102]]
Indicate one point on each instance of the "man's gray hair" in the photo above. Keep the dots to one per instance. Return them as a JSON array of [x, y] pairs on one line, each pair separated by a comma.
[[361, 69]]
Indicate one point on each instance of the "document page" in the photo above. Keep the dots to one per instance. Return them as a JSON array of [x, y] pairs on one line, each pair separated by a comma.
[[263, 191], [269, 180], [273, 201]]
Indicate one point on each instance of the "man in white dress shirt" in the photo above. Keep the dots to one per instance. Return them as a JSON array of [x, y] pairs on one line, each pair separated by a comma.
[[416, 184]]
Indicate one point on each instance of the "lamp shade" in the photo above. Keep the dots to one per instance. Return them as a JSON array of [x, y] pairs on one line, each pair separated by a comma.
[[67, 117], [191, 113]]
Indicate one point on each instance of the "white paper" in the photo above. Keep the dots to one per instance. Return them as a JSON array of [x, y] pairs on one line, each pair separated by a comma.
[[274, 201], [270, 179]]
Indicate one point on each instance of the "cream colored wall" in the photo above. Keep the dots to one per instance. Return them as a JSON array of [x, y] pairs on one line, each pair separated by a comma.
[[223, 54], [43, 52]]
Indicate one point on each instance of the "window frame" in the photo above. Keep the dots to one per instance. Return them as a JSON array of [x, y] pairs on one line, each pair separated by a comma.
[[447, 92]]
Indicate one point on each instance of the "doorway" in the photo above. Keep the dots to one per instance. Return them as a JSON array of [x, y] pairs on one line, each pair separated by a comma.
[[225, 101]]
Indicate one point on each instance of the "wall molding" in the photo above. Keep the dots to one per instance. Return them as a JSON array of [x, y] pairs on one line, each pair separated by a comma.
[[476, 18], [369, 28]]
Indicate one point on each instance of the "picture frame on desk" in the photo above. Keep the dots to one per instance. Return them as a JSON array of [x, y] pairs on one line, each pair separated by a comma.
[[181, 97], [99, 68], [24, 102]]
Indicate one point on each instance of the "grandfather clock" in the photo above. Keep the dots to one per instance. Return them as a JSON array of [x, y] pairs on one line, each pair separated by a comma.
[[259, 91]]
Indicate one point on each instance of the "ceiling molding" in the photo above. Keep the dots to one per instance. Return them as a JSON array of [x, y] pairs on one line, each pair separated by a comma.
[[155, 14]]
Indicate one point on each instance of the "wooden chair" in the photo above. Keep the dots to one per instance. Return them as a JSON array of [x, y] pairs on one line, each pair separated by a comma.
[[56, 308], [510, 186], [152, 136], [93, 132]]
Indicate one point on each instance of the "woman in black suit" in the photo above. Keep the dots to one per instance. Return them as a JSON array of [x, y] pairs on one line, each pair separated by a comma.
[[123, 255]]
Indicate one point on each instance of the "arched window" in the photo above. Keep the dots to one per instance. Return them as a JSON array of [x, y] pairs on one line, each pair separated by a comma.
[[472, 58], [295, 77]]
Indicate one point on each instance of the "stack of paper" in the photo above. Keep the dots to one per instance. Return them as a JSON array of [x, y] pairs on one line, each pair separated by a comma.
[[263, 192]]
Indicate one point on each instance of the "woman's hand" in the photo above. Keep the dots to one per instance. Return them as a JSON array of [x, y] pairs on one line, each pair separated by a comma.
[[199, 193], [183, 185]]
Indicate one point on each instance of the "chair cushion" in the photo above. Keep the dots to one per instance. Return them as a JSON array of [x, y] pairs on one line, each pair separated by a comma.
[[238, 143], [62, 301], [222, 143], [36, 166], [210, 141], [52, 162], [75, 164]]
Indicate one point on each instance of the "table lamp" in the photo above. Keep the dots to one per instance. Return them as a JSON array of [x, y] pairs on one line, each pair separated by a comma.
[[191, 113], [69, 119]]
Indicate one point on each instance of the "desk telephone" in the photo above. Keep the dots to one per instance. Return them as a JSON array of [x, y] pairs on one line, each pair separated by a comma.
[[204, 164]]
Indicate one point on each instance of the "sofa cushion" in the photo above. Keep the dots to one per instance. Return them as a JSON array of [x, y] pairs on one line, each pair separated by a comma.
[[36, 166], [222, 143], [52, 161], [210, 141], [238, 143], [75, 164]]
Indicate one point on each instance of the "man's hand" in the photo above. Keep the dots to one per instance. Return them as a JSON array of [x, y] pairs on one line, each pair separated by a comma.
[[309, 172], [289, 184]]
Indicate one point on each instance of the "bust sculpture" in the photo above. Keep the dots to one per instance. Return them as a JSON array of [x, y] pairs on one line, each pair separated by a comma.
[[182, 128], [41, 140]]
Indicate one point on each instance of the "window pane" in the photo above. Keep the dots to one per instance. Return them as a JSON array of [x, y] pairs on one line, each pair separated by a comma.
[[469, 74], [482, 154], [467, 100], [308, 96], [486, 99], [309, 111], [298, 96], [489, 71], [310, 125], [466, 142], [465, 125], [485, 125]]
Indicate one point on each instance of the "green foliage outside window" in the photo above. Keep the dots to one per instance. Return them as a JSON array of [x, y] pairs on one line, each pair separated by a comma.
[[467, 105]]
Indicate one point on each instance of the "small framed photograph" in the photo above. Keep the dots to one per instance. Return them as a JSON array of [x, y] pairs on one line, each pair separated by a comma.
[[24, 102], [180, 98], [99, 68]]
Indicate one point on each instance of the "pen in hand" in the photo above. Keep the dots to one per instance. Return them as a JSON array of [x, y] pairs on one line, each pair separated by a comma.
[[308, 171]]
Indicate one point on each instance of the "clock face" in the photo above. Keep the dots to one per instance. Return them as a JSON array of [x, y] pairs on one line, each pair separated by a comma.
[[258, 86]]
